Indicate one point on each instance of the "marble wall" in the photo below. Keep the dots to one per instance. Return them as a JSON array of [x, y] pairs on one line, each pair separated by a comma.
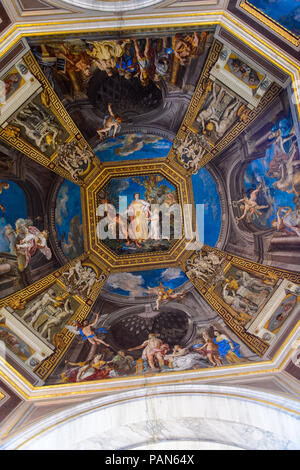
[[163, 416]]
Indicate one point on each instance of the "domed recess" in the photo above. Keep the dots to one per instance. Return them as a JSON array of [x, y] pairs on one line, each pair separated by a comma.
[[130, 97], [132, 330]]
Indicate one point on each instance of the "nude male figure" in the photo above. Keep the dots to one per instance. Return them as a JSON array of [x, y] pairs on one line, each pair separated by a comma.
[[153, 348], [60, 317], [210, 112], [223, 124], [112, 122], [287, 172], [73, 269], [250, 204], [38, 308], [87, 333]]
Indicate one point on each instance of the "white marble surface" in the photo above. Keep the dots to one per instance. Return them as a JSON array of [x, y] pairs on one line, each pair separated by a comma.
[[111, 5], [185, 445], [227, 416]]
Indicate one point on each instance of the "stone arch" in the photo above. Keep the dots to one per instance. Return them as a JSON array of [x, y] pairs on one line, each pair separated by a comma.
[[204, 414]]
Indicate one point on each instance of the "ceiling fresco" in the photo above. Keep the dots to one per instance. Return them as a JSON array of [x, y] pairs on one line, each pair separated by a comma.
[[149, 199], [275, 186], [68, 218], [132, 71], [140, 196], [208, 200], [132, 147], [144, 283], [286, 13], [140, 335]]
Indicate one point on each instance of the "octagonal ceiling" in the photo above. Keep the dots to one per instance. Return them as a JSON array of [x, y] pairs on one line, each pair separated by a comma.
[[104, 135]]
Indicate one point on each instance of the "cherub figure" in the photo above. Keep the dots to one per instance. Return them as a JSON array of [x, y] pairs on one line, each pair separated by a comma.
[[80, 279], [90, 283], [203, 266], [111, 124], [250, 206], [189, 151], [189, 46], [73, 269], [164, 295], [209, 350], [73, 158], [181, 146]]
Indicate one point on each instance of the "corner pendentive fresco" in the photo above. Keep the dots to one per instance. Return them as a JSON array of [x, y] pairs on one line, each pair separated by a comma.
[[273, 181], [23, 239], [269, 201], [165, 327], [140, 65]]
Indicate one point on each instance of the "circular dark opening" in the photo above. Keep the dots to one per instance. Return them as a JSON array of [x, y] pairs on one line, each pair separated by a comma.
[[132, 330], [128, 97]]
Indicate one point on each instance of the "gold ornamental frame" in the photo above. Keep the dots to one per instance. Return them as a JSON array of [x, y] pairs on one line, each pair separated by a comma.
[[270, 23]]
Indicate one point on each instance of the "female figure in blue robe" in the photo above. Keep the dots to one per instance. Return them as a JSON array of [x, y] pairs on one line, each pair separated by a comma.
[[228, 349]]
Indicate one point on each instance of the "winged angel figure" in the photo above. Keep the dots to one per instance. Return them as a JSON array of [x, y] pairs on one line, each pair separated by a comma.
[[87, 332]]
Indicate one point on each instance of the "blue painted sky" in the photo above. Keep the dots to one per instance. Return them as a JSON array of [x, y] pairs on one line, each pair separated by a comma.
[[132, 147], [135, 284], [284, 12], [205, 192], [13, 199], [127, 187], [256, 172], [68, 206]]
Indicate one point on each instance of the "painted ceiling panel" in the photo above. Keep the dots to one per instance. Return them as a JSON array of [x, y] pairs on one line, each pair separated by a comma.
[[149, 208], [285, 12]]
